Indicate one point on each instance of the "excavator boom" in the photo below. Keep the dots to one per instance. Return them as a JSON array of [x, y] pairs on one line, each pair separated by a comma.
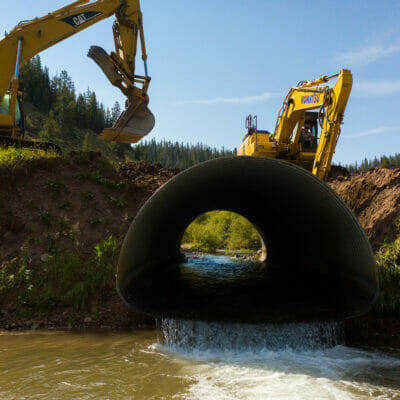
[[29, 38]]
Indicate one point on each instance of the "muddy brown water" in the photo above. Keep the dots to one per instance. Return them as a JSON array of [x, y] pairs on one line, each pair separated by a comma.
[[196, 360], [136, 366]]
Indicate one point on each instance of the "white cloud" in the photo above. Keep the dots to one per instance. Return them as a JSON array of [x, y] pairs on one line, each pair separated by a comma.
[[368, 54], [231, 100], [375, 131], [376, 88]]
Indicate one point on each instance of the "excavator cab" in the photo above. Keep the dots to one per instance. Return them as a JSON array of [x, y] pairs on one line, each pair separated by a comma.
[[309, 133]]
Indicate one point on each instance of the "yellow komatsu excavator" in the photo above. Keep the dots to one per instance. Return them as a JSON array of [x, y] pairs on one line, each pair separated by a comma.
[[296, 137], [29, 38]]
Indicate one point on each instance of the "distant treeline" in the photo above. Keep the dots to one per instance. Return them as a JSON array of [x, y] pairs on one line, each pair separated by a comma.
[[74, 120], [384, 161], [176, 155]]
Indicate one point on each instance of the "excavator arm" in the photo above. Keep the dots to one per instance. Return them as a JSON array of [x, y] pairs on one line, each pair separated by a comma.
[[29, 38]]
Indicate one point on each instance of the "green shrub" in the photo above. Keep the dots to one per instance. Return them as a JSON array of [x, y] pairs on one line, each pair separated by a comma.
[[64, 280], [388, 261]]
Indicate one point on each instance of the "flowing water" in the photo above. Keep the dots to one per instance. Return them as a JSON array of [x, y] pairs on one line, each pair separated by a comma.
[[196, 360]]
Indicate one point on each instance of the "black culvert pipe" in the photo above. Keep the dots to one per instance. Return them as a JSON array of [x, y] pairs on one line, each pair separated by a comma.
[[319, 266]]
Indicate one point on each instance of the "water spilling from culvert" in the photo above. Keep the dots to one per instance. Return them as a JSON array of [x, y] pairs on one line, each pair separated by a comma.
[[267, 361], [205, 336]]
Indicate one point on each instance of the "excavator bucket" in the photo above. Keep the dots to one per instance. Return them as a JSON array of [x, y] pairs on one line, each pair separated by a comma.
[[137, 120], [133, 124]]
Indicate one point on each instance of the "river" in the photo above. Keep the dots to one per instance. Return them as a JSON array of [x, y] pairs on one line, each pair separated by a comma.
[[196, 360]]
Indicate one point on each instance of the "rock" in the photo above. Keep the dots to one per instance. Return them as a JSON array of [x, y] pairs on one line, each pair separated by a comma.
[[45, 257], [87, 320]]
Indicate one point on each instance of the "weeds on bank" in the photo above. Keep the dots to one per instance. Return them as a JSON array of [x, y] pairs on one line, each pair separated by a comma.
[[67, 205], [64, 280], [87, 196], [54, 186], [95, 221], [120, 203], [96, 177], [18, 157], [46, 217]]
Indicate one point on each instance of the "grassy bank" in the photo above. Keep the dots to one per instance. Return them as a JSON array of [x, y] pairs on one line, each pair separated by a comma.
[[12, 157], [62, 279]]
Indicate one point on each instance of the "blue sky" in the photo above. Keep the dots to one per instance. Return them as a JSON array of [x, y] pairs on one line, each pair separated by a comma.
[[214, 62]]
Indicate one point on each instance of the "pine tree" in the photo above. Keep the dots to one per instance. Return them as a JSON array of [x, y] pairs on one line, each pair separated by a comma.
[[51, 130]]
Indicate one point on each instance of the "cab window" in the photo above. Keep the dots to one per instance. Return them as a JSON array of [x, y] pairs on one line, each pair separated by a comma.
[[5, 107], [5, 104]]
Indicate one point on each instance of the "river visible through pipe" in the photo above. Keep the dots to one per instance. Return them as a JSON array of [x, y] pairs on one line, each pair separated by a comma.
[[197, 360]]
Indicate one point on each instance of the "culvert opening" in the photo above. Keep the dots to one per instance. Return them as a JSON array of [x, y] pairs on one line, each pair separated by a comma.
[[319, 263], [223, 232]]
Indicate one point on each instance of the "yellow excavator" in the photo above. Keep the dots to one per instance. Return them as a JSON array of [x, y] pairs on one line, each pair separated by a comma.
[[296, 137], [29, 38]]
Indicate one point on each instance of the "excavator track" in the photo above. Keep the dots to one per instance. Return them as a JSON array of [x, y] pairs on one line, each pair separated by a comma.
[[6, 141]]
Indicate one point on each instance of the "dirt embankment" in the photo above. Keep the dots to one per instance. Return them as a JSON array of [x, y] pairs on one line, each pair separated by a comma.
[[374, 197], [64, 204]]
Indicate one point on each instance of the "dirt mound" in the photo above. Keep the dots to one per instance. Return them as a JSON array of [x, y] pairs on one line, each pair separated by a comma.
[[374, 197], [144, 176]]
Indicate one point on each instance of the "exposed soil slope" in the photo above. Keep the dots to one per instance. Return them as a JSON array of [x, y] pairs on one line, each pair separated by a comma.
[[374, 197], [71, 204], [74, 203]]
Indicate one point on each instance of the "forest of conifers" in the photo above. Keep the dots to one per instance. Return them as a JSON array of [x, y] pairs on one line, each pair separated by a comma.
[[57, 113]]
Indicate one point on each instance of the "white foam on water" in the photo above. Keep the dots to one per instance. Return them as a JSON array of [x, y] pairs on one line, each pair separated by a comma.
[[291, 361]]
